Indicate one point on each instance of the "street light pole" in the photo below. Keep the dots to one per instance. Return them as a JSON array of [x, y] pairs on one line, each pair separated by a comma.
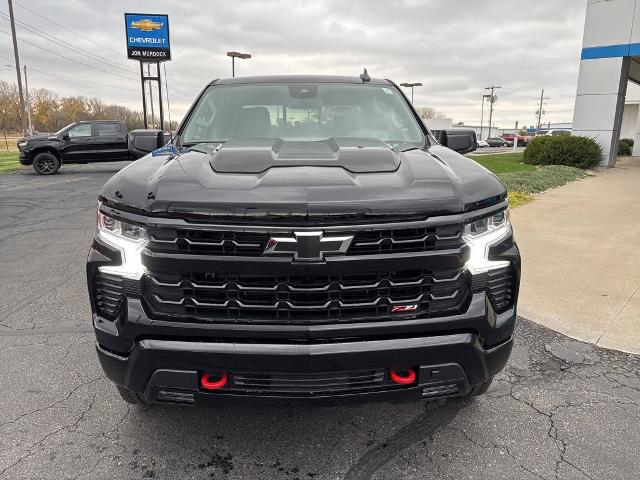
[[26, 91], [17, 59], [407, 84], [235, 55]]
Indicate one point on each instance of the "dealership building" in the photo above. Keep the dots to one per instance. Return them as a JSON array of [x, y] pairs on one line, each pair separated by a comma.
[[609, 73]]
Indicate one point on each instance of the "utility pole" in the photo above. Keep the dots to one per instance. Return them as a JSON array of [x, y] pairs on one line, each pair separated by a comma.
[[492, 100], [26, 91], [17, 59], [540, 112], [482, 116]]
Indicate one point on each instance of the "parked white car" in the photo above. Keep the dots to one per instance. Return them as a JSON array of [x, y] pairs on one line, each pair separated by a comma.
[[482, 144], [555, 132]]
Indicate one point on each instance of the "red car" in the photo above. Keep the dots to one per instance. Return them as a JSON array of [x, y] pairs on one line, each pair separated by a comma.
[[522, 139]]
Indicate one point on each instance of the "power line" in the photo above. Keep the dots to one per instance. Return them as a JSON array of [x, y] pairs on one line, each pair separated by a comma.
[[94, 87], [66, 28], [176, 85], [186, 90], [68, 58], [68, 46]]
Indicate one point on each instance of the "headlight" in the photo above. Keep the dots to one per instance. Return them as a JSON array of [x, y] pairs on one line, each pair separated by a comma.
[[128, 238], [482, 234], [23, 144]]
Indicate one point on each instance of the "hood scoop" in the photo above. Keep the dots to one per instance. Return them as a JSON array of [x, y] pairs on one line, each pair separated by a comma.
[[257, 156]]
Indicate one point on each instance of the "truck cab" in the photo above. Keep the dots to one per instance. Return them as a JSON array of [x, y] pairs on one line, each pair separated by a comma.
[[78, 142]]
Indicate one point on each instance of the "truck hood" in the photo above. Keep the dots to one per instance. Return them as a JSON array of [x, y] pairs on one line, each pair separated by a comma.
[[40, 137], [265, 178]]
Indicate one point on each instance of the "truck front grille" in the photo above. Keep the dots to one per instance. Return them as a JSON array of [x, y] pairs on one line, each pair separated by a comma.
[[305, 299], [252, 244]]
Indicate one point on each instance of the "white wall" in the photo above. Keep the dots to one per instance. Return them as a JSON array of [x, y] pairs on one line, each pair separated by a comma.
[[611, 38], [438, 123], [629, 120]]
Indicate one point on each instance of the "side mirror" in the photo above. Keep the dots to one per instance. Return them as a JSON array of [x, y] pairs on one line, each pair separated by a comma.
[[142, 142], [65, 136], [461, 140]]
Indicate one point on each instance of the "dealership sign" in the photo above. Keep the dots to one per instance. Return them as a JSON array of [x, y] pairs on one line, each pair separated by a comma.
[[147, 37]]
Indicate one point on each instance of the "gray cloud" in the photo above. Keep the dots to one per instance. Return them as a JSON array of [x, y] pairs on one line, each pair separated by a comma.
[[455, 48]]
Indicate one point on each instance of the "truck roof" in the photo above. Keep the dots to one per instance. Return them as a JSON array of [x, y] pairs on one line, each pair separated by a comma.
[[297, 79]]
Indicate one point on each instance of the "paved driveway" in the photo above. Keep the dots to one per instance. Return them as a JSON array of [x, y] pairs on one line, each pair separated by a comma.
[[562, 409]]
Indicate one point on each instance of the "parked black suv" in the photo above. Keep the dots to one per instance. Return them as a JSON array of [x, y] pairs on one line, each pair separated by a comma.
[[303, 238], [79, 142]]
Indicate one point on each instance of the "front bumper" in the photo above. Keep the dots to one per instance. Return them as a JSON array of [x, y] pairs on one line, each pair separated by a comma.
[[168, 371], [25, 158]]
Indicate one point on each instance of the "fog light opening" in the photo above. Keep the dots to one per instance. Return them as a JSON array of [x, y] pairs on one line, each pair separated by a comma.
[[213, 380], [402, 376]]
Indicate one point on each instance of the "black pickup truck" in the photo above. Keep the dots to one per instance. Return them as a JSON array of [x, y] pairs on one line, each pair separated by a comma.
[[79, 142], [303, 239]]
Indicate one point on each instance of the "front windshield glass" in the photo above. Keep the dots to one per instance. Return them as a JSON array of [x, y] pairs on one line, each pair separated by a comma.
[[303, 112], [59, 132]]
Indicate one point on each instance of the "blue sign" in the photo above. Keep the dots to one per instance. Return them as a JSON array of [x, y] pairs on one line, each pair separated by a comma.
[[147, 37]]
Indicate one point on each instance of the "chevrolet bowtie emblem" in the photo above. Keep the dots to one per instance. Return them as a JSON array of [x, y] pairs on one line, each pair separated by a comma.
[[308, 246], [146, 25]]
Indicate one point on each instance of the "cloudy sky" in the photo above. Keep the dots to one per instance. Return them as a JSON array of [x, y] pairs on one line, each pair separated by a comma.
[[454, 47]]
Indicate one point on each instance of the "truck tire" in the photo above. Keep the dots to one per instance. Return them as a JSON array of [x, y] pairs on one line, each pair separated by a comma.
[[46, 163], [479, 389], [130, 397]]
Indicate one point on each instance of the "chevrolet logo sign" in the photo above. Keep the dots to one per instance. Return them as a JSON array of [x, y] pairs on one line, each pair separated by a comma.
[[146, 25], [308, 246]]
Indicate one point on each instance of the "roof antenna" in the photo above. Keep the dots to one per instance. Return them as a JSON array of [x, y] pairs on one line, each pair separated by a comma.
[[364, 76]]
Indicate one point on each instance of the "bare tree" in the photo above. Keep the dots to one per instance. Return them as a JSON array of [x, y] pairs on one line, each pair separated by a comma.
[[51, 112], [428, 112]]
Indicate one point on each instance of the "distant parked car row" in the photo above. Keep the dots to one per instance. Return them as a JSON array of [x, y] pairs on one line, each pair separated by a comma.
[[507, 139]]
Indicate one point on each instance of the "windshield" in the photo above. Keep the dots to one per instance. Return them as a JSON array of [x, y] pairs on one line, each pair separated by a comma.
[[59, 132], [303, 112]]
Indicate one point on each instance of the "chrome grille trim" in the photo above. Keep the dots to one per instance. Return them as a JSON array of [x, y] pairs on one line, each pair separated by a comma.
[[412, 240], [283, 285], [329, 304], [212, 244]]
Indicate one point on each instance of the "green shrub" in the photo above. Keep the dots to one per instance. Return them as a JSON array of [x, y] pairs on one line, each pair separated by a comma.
[[625, 147], [535, 148], [570, 150]]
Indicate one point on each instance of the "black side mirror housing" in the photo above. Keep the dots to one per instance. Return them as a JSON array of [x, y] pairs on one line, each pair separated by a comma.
[[461, 140], [141, 142], [65, 136]]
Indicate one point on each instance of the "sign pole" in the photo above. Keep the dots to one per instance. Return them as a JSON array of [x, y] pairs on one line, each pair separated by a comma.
[[160, 97], [144, 97], [153, 113]]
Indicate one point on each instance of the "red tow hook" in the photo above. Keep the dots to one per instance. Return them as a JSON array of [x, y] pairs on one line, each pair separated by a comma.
[[213, 380], [403, 376]]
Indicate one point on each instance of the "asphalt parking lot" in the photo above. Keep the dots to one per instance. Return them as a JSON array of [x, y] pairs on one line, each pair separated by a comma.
[[562, 409]]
